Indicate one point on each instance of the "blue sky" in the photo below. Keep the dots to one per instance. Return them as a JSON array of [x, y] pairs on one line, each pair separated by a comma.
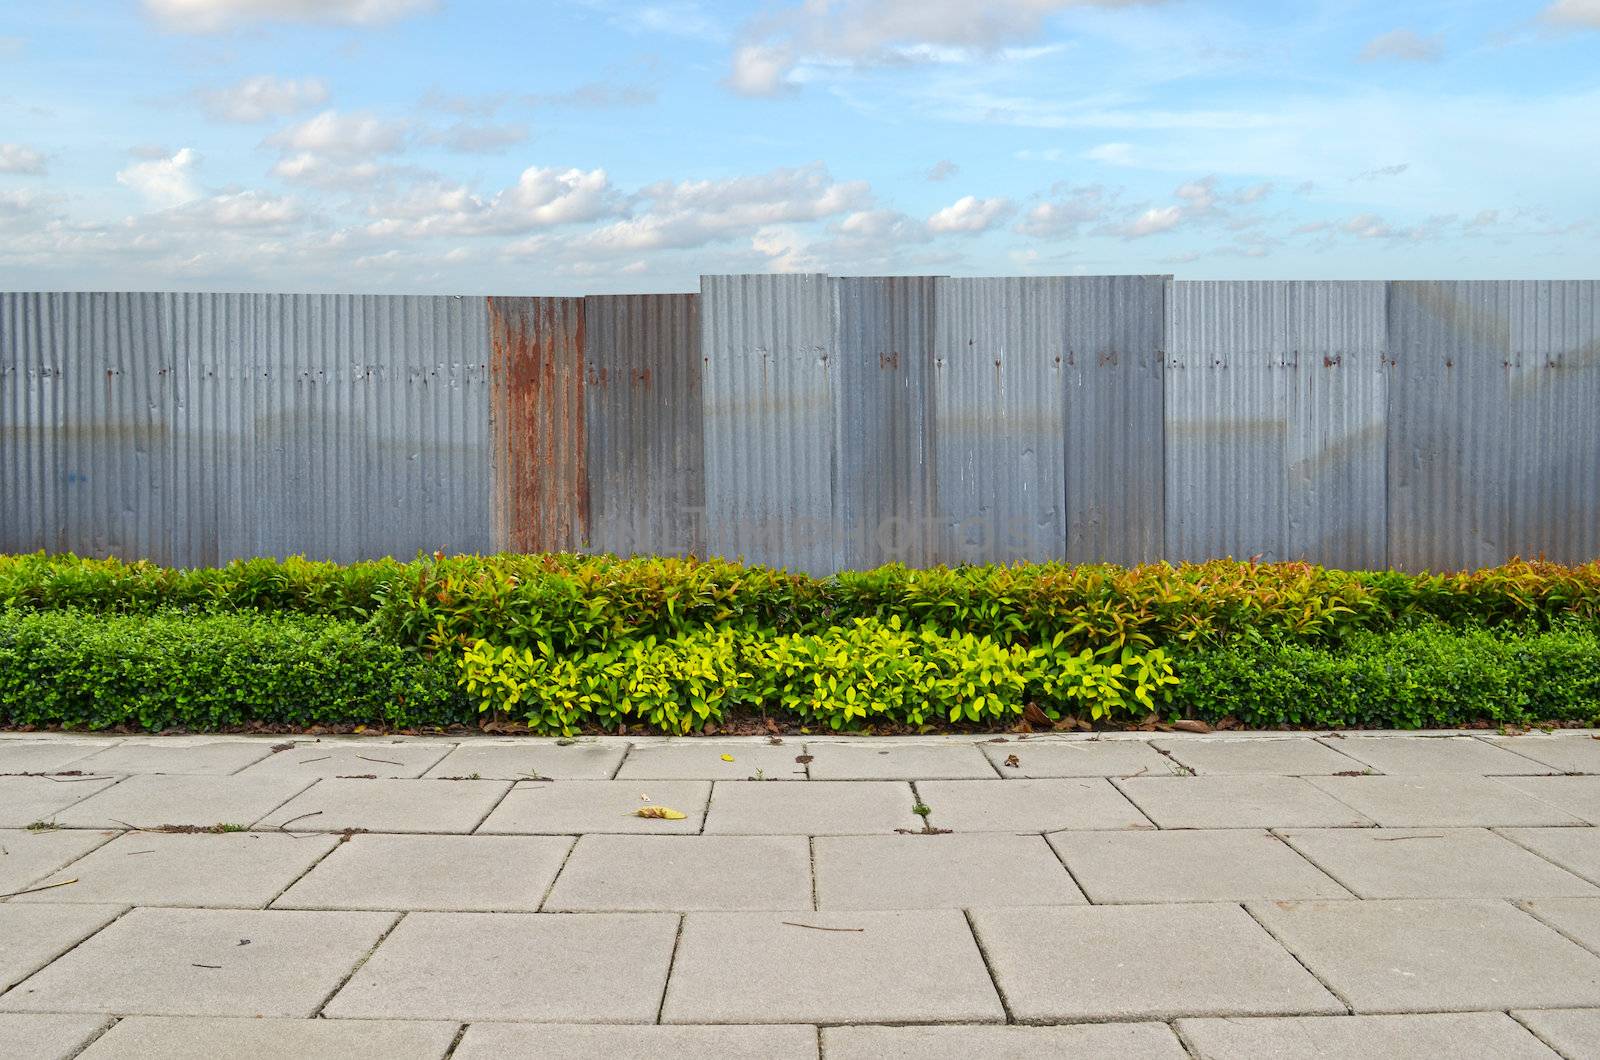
[[596, 146]]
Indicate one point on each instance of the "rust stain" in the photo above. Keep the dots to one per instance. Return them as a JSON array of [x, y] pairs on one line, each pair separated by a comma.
[[540, 439]]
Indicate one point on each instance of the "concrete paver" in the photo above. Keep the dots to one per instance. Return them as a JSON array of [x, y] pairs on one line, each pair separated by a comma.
[[494, 1041], [1239, 802], [389, 806], [1575, 849], [31, 800], [180, 1038], [1088, 1041], [1486, 1035], [1434, 955], [236, 869], [31, 936], [153, 800], [703, 760], [1290, 757], [1562, 752], [349, 759], [647, 873], [1213, 865], [44, 756], [197, 962], [1075, 758], [1435, 754], [46, 1036], [859, 967], [176, 754], [960, 871], [1028, 805], [1443, 800], [1433, 863], [1576, 1031], [568, 807], [530, 759], [827, 807], [1578, 796], [1143, 962], [874, 761], [1576, 918], [591, 968], [439, 872], [29, 856]]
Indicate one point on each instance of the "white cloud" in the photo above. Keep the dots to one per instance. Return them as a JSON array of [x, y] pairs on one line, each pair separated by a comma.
[[16, 158], [482, 138], [943, 169], [316, 171], [541, 198], [1383, 171], [761, 70], [970, 214], [262, 98], [1063, 217], [1573, 13], [243, 209], [356, 134], [1402, 45], [1151, 222], [212, 16], [1117, 154], [164, 181]]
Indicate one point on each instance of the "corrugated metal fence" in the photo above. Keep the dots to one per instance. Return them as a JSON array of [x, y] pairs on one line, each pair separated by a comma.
[[815, 422]]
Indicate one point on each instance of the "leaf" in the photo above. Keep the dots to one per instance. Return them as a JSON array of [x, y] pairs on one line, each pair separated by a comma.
[[1190, 725], [727, 758], [1012, 761], [659, 813]]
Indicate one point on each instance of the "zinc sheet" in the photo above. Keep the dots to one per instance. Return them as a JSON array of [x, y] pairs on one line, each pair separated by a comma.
[[1000, 347], [770, 387], [645, 434], [884, 349]]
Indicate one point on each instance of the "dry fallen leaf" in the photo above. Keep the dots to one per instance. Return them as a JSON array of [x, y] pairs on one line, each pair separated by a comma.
[[660, 813], [1012, 761], [802, 759], [727, 758], [1190, 725], [1034, 715]]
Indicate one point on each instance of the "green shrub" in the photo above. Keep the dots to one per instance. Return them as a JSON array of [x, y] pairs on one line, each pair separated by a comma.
[[80, 670]]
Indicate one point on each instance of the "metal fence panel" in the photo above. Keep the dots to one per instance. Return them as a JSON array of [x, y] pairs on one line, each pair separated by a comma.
[[1114, 460], [999, 415], [884, 349], [645, 430], [770, 386]]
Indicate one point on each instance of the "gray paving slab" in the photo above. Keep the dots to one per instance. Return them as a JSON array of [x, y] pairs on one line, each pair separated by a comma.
[[860, 967], [678, 874], [589, 968], [1406, 755], [1486, 1035], [1434, 955], [46, 1036], [818, 807], [1212, 865], [494, 1041], [530, 759], [1289, 757], [195, 962], [455, 873], [1575, 849], [182, 1038], [569, 807], [312, 760], [1578, 796], [693, 759], [389, 806], [1443, 800], [153, 800], [958, 871], [33, 935], [43, 756], [1562, 752], [1028, 805], [898, 761], [244, 870], [1576, 918], [1432, 863], [1086, 1041], [29, 856], [176, 754], [1075, 758], [1143, 962], [1239, 802], [31, 800], [1575, 1032]]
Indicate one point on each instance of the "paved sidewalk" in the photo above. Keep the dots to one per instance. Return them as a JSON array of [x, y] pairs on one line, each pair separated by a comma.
[[1139, 896]]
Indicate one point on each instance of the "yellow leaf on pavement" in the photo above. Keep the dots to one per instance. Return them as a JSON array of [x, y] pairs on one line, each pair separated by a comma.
[[660, 813]]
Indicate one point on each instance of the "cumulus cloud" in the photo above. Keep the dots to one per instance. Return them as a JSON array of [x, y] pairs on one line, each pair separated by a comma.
[[970, 214], [1402, 45], [1151, 222], [1577, 14], [163, 181], [213, 16], [262, 98], [541, 198], [241, 210], [356, 134], [943, 169], [1064, 215], [761, 70], [16, 158]]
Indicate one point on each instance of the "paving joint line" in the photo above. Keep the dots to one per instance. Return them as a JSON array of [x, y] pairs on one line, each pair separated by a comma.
[[672, 960], [105, 1027], [1045, 838], [1500, 830], [1349, 1007], [544, 898], [8, 991], [988, 967], [492, 806], [455, 1043], [1522, 906], [318, 860], [1276, 833], [1129, 799], [317, 1013]]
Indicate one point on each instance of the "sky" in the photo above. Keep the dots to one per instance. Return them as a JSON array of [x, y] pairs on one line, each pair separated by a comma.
[[598, 146]]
